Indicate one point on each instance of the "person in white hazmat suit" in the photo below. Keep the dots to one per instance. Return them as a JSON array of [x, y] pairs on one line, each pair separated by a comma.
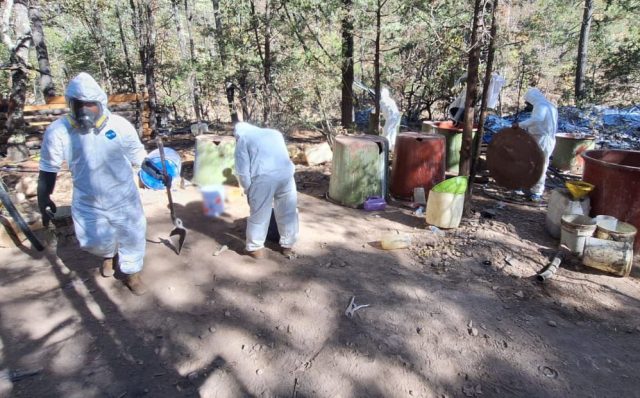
[[542, 125], [100, 149], [265, 172], [391, 115]]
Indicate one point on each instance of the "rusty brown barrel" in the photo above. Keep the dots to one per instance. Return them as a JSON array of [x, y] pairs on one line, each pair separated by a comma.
[[616, 176], [419, 162]]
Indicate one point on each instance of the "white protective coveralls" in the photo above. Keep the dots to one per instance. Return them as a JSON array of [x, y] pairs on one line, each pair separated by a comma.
[[391, 117], [106, 208], [543, 125], [265, 172], [495, 86]]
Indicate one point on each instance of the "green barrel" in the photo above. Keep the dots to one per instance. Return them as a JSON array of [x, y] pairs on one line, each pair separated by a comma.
[[215, 160], [568, 150], [453, 136], [358, 169]]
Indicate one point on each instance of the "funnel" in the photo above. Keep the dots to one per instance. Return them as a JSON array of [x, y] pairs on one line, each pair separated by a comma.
[[579, 189]]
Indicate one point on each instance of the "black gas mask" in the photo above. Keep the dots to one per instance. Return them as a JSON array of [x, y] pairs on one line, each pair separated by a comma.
[[528, 106], [87, 115]]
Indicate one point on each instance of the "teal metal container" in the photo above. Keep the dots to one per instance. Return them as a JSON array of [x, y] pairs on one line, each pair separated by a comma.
[[215, 160], [567, 154], [359, 169]]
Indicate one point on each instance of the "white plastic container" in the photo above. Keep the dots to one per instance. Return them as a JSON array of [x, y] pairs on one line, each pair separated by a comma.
[[576, 228], [561, 203], [213, 200], [608, 256], [606, 222], [392, 240], [444, 210]]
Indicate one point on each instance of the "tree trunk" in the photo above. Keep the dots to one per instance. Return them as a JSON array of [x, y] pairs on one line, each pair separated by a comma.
[[136, 16], [144, 29], [19, 54], [472, 90], [193, 78], [243, 86], [175, 13], [229, 87], [94, 23], [375, 122], [132, 78], [150, 58], [477, 140], [267, 64], [583, 45], [46, 82], [346, 104]]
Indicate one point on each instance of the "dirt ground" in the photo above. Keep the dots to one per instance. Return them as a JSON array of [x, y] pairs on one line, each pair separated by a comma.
[[459, 315]]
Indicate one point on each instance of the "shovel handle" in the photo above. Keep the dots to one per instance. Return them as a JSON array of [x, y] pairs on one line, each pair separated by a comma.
[[166, 176]]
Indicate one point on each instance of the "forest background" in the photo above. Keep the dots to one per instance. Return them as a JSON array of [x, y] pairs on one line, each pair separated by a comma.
[[285, 63]]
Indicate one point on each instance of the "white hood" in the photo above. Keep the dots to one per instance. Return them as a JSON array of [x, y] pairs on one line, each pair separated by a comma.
[[84, 88]]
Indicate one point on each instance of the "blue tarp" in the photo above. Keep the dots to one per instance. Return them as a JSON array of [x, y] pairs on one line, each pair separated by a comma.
[[614, 127]]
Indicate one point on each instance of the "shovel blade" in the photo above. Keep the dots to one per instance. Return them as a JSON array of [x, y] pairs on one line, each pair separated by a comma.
[[177, 237]]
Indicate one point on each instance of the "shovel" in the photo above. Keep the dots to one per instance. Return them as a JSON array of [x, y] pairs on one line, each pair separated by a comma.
[[179, 233]]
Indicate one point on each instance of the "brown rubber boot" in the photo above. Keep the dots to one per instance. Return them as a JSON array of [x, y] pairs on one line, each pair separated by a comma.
[[287, 251], [258, 254], [106, 269], [135, 284]]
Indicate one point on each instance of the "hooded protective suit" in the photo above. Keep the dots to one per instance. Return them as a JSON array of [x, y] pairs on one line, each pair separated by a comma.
[[391, 115], [106, 208], [266, 173], [543, 125]]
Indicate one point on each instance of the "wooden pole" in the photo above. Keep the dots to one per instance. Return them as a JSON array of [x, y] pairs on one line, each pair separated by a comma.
[[477, 141]]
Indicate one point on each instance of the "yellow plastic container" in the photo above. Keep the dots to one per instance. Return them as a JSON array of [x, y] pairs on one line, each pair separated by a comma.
[[579, 189]]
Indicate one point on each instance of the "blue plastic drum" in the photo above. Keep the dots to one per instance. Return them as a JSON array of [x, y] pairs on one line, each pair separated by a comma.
[[173, 163]]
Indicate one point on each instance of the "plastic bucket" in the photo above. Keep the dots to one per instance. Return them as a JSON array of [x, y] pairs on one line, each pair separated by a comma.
[[212, 200], [618, 231], [446, 203], [606, 222], [173, 163], [608, 256], [576, 228]]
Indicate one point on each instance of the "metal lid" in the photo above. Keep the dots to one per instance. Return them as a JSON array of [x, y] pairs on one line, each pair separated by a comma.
[[514, 159]]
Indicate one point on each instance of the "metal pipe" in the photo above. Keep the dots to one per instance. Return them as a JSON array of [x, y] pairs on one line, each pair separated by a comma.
[[550, 269]]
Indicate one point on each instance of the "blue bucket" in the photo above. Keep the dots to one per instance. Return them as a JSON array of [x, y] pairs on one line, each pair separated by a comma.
[[173, 163]]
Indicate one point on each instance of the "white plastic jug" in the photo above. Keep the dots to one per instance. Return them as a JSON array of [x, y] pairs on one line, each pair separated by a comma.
[[560, 204], [444, 210]]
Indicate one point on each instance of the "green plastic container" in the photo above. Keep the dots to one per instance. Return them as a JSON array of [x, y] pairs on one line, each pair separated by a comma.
[[215, 160], [453, 136], [568, 150], [358, 169]]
